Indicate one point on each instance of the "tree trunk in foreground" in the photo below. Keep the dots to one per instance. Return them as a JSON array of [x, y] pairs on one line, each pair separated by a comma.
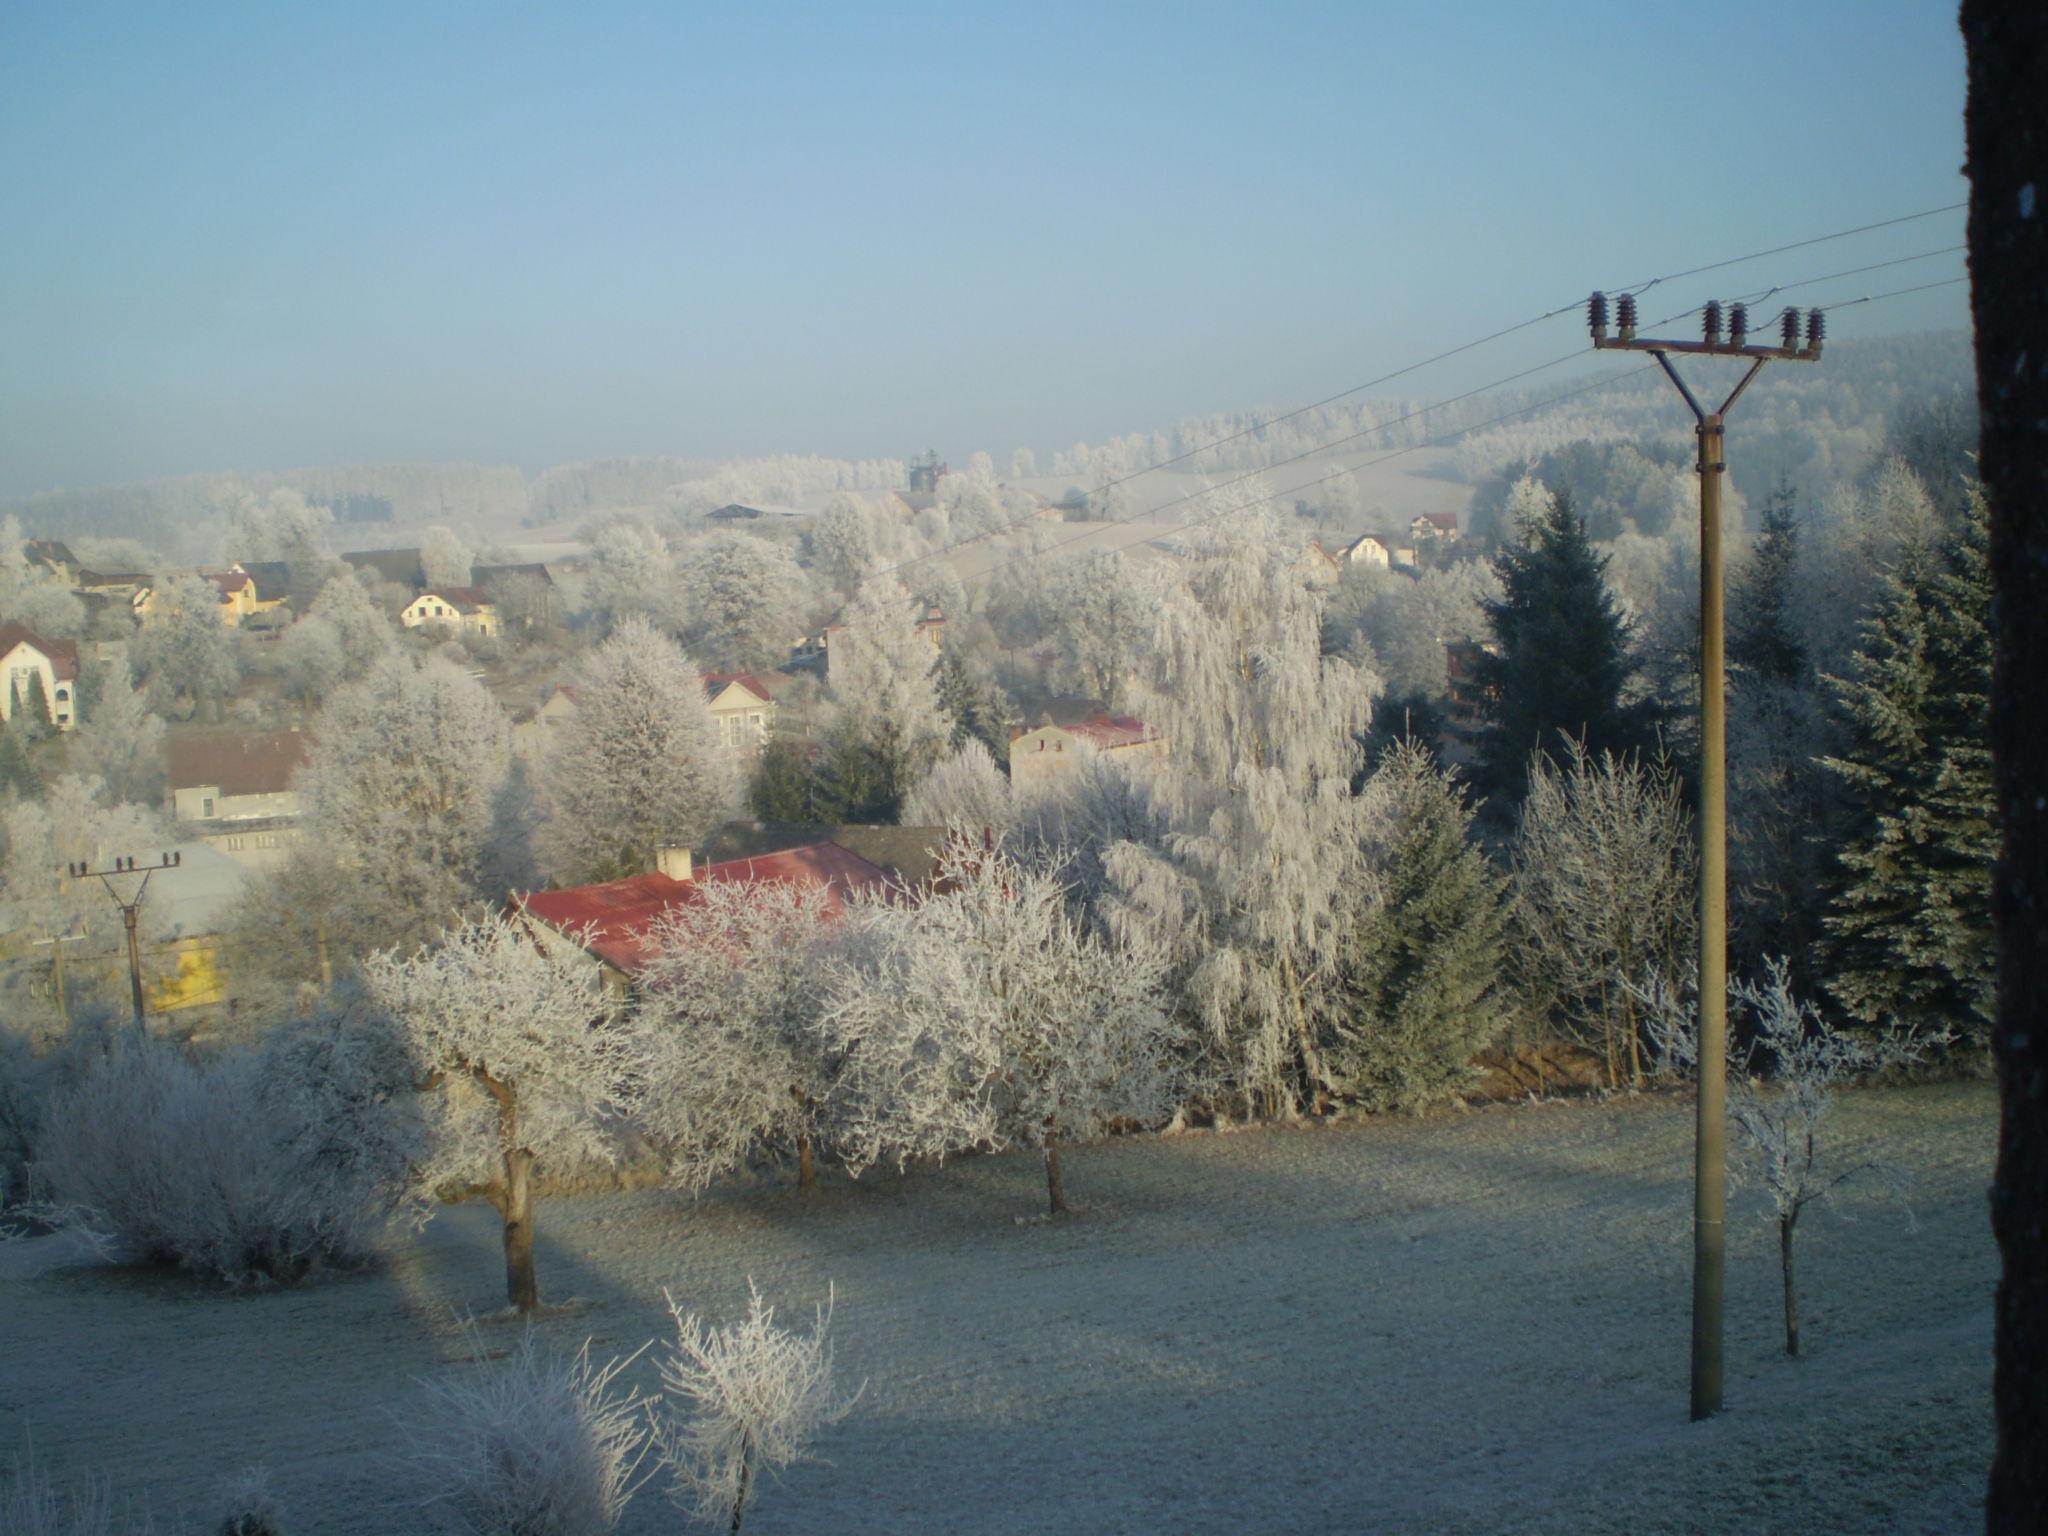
[[739, 1502], [1791, 1295], [1055, 1187], [522, 1290], [2006, 133], [806, 1164]]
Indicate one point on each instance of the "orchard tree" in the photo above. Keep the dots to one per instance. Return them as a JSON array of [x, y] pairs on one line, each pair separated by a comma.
[[988, 1016], [1563, 663], [403, 782], [729, 1057], [1247, 894], [524, 1050], [746, 600], [644, 767], [1909, 932]]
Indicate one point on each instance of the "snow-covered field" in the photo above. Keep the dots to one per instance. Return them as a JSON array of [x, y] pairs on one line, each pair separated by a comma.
[[1469, 1322]]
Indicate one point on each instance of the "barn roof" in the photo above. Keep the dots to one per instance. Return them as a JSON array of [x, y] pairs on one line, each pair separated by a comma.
[[256, 763]]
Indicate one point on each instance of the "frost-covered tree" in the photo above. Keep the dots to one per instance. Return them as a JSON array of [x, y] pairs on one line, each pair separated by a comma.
[[887, 728], [965, 792], [1782, 1076], [72, 822], [366, 632], [523, 1048], [1563, 662], [988, 1016], [1023, 464], [311, 660], [1603, 880], [444, 559], [1909, 929], [1424, 967], [744, 600], [632, 572], [183, 650], [280, 526], [1247, 893], [780, 787], [1100, 612], [122, 744], [848, 540], [979, 707], [402, 785], [740, 1401], [730, 1061], [643, 769]]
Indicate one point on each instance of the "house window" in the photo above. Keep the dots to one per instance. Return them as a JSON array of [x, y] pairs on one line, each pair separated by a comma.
[[234, 843], [63, 695], [206, 805]]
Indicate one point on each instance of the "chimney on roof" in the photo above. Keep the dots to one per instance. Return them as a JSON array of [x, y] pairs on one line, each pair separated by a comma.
[[673, 862]]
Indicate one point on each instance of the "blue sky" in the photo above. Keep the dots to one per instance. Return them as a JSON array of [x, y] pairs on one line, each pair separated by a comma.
[[259, 236]]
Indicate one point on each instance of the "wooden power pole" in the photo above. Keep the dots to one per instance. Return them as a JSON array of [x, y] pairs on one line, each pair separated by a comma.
[[131, 907], [1710, 1143]]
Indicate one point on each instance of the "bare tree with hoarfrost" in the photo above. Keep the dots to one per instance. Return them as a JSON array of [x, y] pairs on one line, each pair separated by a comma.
[[403, 782], [522, 1047], [365, 631], [739, 1401], [887, 727], [1781, 1117], [122, 741], [730, 1061], [632, 571], [1100, 611], [989, 1016], [1247, 893], [644, 768], [965, 792], [848, 540], [444, 559], [1603, 894], [745, 600]]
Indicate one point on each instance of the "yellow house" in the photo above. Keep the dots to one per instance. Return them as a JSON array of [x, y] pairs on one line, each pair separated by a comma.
[[741, 707], [1041, 756], [455, 610]]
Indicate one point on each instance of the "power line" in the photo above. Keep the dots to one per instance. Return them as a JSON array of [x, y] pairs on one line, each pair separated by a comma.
[[1510, 330], [1761, 294]]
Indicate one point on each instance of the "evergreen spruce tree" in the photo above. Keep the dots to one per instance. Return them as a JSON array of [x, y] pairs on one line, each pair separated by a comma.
[[1761, 638], [1423, 970], [34, 711], [18, 778], [856, 778], [978, 708], [780, 789], [1563, 653], [1909, 933]]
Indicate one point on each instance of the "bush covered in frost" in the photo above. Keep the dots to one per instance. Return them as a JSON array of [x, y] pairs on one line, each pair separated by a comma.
[[31, 1504], [540, 1444], [214, 1166]]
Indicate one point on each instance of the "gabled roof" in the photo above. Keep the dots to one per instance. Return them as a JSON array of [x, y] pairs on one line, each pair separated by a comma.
[[272, 578], [63, 654], [257, 763], [1366, 538], [715, 682], [908, 855], [615, 920], [1105, 732], [48, 552], [229, 582], [461, 599], [1444, 520], [732, 511], [114, 578]]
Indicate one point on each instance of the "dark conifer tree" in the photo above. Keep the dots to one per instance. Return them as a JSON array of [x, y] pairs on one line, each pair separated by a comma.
[[1761, 637], [1563, 662], [780, 787], [1909, 934]]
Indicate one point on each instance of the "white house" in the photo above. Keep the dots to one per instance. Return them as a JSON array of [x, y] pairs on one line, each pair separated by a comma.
[[458, 610], [29, 662], [1368, 549], [741, 707]]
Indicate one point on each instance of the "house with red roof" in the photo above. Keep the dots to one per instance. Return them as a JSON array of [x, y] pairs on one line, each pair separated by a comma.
[[29, 663], [615, 922], [742, 707], [1040, 756]]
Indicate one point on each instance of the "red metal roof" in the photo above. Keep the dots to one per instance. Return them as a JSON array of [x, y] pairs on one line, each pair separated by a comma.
[[614, 920], [713, 681], [1107, 731]]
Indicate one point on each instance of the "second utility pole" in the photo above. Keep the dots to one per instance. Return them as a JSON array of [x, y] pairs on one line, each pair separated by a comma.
[[1710, 1142]]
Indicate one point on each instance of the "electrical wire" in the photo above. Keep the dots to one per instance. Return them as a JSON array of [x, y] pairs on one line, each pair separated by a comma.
[[1797, 245]]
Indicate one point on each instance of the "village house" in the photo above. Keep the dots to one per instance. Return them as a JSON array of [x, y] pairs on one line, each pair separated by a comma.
[[534, 729], [818, 652], [1317, 567], [234, 792], [130, 587], [1368, 549], [1434, 525], [451, 610], [742, 708], [53, 558], [31, 665], [614, 923], [523, 593], [1038, 757], [269, 583]]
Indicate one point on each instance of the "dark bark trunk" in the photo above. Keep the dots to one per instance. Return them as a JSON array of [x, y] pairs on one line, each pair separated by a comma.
[[806, 1164], [2006, 133], [1791, 1294], [739, 1503], [1055, 1187], [522, 1290]]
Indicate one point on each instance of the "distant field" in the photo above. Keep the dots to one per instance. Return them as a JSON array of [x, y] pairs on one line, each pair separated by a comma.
[[1470, 1322]]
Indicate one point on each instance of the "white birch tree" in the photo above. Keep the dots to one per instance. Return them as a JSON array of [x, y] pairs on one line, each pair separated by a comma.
[[523, 1050], [730, 1060], [1262, 738], [642, 769], [988, 1016]]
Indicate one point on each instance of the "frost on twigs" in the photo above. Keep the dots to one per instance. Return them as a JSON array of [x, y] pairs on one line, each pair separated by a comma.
[[32, 1504], [251, 1510], [738, 1401], [1781, 1118], [542, 1444]]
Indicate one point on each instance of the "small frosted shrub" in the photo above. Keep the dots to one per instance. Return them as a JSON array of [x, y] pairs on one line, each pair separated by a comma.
[[200, 1165], [741, 1400], [251, 1510], [540, 1444], [32, 1505]]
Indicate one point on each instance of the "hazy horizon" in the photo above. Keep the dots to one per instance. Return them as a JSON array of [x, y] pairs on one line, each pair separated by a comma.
[[246, 240]]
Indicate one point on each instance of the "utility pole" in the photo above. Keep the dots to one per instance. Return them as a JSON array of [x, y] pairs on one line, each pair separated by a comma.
[[57, 941], [130, 906], [1710, 1141]]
